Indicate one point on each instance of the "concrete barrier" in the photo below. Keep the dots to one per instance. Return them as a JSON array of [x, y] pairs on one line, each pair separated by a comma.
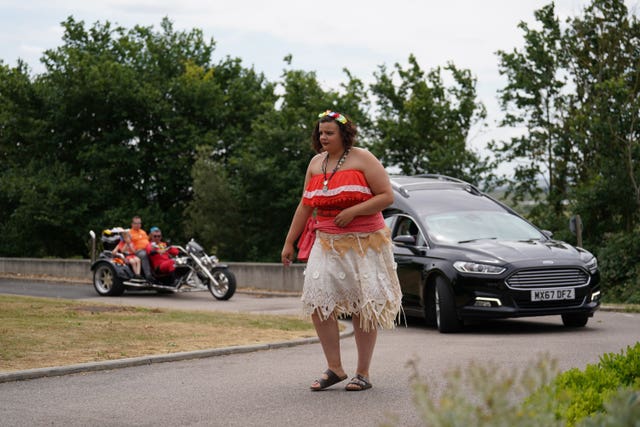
[[262, 276]]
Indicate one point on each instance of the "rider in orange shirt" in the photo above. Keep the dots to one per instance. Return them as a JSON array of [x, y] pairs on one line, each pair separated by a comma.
[[139, 237], [140, 241]]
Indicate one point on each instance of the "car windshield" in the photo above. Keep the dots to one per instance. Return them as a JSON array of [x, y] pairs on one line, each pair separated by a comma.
[[467, 226]]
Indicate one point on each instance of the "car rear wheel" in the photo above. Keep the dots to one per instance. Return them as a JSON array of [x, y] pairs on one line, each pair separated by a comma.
[[575, 320], [446, 317], [106, 282]]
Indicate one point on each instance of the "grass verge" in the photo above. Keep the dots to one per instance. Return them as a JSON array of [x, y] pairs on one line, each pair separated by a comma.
[[43, 332]]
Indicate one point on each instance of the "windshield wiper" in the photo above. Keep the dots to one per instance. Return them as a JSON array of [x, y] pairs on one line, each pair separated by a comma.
[[479, 238]]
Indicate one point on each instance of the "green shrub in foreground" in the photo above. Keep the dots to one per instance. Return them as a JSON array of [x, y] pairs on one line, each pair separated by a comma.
[[606, 394], [485, 395], [623, 410], [619, 262], [575, 395]]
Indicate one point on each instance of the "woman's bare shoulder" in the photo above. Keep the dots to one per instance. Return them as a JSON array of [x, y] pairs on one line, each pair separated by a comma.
[[315, 164], [362, 156]]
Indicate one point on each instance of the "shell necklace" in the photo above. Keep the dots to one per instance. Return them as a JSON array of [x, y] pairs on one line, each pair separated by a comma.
[[325, 162]]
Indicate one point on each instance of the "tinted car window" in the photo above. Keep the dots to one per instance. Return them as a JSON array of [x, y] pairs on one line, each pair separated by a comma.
[[457, 227], [454, 200]]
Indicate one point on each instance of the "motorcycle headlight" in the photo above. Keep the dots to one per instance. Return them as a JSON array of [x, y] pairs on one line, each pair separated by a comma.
[[474, 267]]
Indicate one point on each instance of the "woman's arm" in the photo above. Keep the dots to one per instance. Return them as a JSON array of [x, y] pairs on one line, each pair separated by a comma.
[[298, 223], [117, 249]]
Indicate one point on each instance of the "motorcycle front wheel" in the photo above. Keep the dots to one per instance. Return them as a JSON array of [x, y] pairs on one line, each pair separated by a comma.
[[226, 284]]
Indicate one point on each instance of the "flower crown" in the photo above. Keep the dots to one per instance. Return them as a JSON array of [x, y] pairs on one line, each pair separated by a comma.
[[336, 116]]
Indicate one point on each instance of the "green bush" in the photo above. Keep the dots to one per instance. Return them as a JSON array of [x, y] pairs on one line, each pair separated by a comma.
[[575, 395], [606, 394], [483, 395], [623, 410], [619, 261]]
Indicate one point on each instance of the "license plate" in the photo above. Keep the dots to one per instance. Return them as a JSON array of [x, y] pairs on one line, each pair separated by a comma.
[[552, 294]]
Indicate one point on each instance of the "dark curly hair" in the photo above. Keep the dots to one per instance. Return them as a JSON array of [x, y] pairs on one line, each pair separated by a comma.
[[348, 131]]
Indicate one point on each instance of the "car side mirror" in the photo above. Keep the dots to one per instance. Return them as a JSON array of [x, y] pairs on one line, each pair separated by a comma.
[[548, 233], [405, 239]]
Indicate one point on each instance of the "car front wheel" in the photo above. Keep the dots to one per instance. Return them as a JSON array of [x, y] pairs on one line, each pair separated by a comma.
[[446, 317]]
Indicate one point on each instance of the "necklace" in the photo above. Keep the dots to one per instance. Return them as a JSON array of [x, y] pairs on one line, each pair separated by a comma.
[[325, 163]]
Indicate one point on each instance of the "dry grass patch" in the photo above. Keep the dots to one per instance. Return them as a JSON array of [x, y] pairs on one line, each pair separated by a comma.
[[42, 332]]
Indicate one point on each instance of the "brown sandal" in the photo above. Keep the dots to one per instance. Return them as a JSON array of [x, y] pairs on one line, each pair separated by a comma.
[[358, 383], [331, 379]]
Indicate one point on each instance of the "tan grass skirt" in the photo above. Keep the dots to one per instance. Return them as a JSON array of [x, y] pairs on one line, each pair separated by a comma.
[[353, 274]]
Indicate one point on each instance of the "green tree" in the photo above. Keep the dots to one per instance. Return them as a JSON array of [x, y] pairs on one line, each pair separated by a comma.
[[534, 98], [112, 128], [422, 126], [575, 90], [38, 194], [212, 216], [604, 46]]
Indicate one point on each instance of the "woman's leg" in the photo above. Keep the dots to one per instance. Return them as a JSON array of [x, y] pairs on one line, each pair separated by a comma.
[[365, 343], [329, 335], [135, 263]]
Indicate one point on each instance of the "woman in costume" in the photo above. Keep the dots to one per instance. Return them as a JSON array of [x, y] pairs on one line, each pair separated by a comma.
[[350, 267]]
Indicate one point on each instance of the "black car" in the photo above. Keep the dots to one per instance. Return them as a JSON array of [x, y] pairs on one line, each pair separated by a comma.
[[464, 255]]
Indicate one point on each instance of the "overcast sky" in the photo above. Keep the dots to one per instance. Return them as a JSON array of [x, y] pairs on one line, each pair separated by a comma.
[[324, 37]]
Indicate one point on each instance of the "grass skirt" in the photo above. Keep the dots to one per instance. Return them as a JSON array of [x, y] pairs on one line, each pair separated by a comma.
[[353, 274]]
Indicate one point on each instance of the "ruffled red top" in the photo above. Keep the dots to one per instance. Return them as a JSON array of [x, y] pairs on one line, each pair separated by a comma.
[[345, 188]]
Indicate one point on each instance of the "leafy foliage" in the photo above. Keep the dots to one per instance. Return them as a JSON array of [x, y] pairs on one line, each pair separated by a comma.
[[605, 394], [535, 97], [423, 126], [575, 87], [111, 131], [622, 409], [575, 395], [481, 395], [144, 122], [620, 264]]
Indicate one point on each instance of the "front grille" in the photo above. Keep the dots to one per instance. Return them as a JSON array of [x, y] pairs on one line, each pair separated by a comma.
[[548, 278]]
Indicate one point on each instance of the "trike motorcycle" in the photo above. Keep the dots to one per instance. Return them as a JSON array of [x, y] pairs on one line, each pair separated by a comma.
[[194, 271]]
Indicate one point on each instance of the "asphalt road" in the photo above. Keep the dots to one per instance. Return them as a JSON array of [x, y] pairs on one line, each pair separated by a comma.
[[270, 388]]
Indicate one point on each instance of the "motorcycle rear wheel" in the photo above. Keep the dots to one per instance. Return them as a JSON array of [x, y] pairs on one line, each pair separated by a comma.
[[106, 282], [226, 284]]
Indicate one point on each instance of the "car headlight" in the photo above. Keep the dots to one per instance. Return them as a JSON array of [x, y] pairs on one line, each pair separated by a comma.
[[592, 265], [474, 267]]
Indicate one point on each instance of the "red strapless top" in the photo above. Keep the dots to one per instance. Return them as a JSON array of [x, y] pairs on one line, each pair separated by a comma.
[[346, 188]]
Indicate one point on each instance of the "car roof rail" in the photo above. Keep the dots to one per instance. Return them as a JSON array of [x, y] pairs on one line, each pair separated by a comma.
[[402, 189], [441, 177], [468, 186], [399, 188]]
